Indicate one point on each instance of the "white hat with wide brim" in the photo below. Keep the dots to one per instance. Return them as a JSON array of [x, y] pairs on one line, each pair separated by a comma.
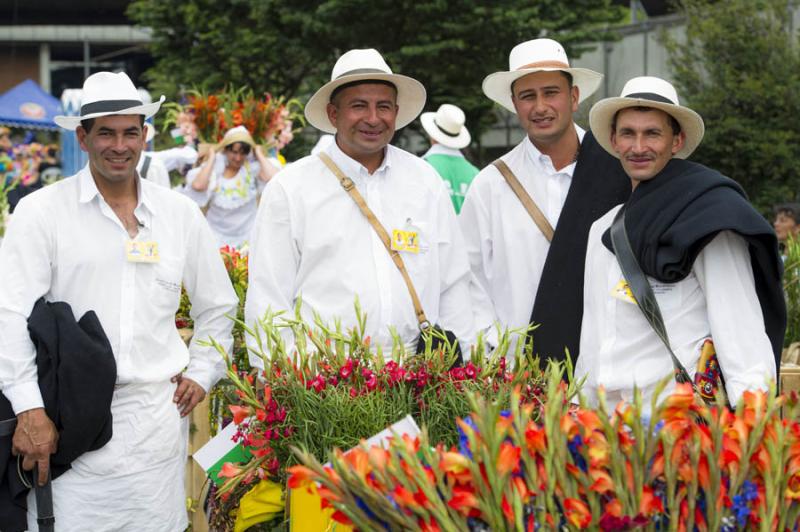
[[109, 93], [647, 91], [366, 65], [538, 55], [446, 126]]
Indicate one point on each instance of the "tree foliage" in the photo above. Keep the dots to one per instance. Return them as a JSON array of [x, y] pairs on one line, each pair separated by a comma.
[[289, 48], [739, 68]]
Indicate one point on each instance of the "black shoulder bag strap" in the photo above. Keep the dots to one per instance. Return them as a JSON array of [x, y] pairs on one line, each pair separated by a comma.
[[642, 291], [145, 166]]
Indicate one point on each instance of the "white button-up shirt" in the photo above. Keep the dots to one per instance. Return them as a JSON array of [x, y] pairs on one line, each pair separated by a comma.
[[65, 243], [506, 249], [312, 242], [619, 348]]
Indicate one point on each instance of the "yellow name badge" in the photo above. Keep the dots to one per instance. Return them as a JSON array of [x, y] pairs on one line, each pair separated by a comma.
[[405, 241], [142, 251], [623, 292]]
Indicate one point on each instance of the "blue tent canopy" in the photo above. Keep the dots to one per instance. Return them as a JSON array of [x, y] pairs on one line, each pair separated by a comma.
[[28, 106]]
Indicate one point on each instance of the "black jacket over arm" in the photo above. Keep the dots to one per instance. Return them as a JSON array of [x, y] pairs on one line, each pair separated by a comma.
[[598, 184], [77, 373], [670, 219]]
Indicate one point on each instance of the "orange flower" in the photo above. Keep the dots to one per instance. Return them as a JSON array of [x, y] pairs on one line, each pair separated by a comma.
[[535, 438], [508, 511], [598, 450], [680, 399], [464, 501], [577, 513], [358, 460], [508, 459], [237, 118], [650, 504], [240, 413], [228, 470], [568, 426], [456, 465], [793, 488], [299, 476], [589, 421], [602, 481]]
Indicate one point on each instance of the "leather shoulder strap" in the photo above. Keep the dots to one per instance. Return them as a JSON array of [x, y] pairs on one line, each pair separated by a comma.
[[527, 201], [350, 188]]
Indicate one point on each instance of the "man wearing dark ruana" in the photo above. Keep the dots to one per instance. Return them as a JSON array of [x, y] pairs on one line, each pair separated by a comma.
[[362, 219], [709, 258], [106, 241], [527, 215]]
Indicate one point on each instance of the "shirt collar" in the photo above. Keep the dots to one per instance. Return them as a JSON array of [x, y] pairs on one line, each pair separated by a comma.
[[438, 149], [545, 160], [88, 190], [353, 168]]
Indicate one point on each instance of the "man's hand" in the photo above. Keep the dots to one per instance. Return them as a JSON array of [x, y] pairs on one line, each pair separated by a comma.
[[188, 394], [35, 438]]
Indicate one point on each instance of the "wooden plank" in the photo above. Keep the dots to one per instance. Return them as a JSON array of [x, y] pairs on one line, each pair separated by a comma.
[[790, 379]]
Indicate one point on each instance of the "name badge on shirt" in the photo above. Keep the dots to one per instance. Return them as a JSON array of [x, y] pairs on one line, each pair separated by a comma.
[[142, 251], [405, 241], [623, 292]]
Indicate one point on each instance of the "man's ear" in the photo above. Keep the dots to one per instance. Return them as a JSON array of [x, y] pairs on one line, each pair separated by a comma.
[[575, 94], [678, 142], [81, 134], [333, 113]]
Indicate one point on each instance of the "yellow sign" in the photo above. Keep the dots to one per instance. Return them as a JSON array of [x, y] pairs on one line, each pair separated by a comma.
[[623, 292], [142, 251], [405, 241]]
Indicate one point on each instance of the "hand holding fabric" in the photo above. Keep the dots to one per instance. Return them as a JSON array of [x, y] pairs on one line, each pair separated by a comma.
[[35, 439]]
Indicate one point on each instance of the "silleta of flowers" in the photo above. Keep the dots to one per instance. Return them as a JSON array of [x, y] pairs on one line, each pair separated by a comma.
[[333, 389], [206, 116], [686, 467]]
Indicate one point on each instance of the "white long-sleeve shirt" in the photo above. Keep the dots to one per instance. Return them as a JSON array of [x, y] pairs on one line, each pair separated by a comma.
[[717, 299], [312, 241], [65, 243], [506, 249]]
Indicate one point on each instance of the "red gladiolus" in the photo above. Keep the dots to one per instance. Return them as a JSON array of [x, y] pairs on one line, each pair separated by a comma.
[[650, 504], [602, 481], [341, 517], [464, 501], [577, 513], [508, 511], [508, 459], [240, 413], [431, 526], [228, 470], [299, 476], [535, 438], [403, 497]]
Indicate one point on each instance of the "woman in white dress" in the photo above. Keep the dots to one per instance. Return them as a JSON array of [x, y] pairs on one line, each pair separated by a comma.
[[229, 187]]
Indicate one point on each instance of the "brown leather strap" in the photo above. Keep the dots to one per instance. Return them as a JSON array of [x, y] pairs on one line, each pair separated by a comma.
[[350, 188], [527, 201]]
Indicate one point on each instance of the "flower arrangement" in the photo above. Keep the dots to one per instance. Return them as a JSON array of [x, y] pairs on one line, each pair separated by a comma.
[[206, 116], [337, 389], [686, 467]]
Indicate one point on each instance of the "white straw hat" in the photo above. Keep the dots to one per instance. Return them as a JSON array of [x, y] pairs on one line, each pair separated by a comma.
[[366, 65], [647, 91], [538, 55], [107, 93], [446, 126]]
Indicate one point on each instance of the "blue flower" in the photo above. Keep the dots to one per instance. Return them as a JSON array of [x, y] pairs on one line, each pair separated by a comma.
[[463, 441], [574, 446]]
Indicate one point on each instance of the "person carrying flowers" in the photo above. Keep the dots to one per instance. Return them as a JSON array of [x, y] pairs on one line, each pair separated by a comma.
[[686, 275], [229, 187]]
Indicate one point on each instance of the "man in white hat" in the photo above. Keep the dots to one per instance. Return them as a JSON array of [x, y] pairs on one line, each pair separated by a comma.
[[710, 260], [313, 241], [107, 241], [448, 136], [526, 217]]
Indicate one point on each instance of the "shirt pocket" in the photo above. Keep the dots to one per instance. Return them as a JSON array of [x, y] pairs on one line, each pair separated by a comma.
[[165, 285], [668, 295], [418, 263]]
